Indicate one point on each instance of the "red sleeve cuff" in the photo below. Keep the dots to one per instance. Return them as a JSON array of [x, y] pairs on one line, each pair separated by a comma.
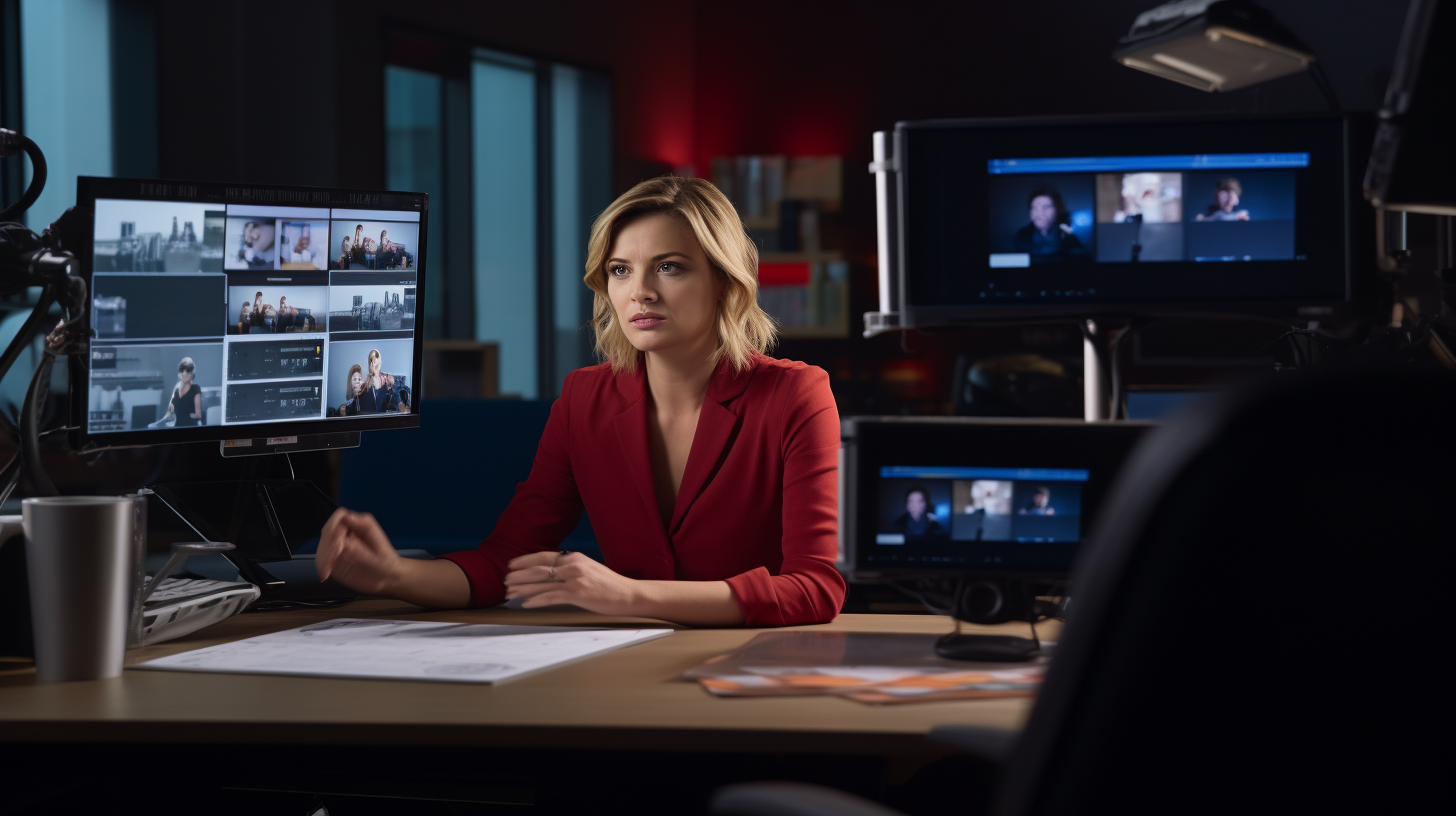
[[487, 587], [755, 594]]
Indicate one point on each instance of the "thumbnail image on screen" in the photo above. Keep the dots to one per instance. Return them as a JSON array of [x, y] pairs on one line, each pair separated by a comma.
[[165, 385], [373, 244], [948, 505], [369, 377], [157, 236], [277, 309]]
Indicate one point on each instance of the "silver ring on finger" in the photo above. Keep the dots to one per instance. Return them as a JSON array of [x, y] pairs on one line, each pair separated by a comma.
[[551, 573]]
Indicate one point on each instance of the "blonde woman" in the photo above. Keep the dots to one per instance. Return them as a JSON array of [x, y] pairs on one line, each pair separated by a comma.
[[708, 469]]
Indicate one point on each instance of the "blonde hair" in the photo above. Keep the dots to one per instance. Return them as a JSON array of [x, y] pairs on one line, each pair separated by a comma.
[[743, 328]]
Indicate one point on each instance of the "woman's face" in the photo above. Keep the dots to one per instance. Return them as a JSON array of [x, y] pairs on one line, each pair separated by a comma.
[[1043, 212], [1227, 200], [663, 290], [356, 382], [373, 365], [915, 504], [345, 246], [184, 377], [247, 310]]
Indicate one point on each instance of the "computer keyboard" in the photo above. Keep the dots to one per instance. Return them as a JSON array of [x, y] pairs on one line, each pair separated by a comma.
[[183, 605]]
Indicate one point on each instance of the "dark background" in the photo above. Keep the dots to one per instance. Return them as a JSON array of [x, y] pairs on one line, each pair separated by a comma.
[[169, 305], [694, 80]]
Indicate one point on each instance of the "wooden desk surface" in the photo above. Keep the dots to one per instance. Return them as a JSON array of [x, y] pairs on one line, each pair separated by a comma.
[[628, 699]]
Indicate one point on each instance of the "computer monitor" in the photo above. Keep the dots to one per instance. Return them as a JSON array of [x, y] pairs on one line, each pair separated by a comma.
[[928, 497], [248, 312], [1017, 219]]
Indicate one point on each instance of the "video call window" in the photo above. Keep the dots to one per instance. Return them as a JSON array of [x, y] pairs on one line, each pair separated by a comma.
[[1143, 209], [372, 244], [949, 505], [157, 236]]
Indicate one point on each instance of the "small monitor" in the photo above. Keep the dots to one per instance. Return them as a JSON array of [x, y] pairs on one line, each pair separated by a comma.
[[226, 312], [936, 496], [1017, 219]]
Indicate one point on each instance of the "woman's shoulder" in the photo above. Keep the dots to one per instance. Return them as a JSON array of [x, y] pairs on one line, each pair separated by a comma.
[[790, 372]]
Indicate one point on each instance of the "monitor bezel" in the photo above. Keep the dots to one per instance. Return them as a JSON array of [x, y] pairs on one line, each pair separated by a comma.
[[1359, 233], [90, 188]]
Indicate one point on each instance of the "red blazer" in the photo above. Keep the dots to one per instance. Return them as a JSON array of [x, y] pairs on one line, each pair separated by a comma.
[[758, 505]]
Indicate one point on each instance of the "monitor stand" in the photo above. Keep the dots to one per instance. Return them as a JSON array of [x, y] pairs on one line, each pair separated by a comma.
[[988, 648], [268, 521]]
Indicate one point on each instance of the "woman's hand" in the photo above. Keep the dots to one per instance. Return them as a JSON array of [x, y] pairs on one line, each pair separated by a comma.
[[547, 578], [354, 550]]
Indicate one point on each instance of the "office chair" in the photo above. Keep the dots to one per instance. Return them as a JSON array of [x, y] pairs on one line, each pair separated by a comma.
[[1251, 624]]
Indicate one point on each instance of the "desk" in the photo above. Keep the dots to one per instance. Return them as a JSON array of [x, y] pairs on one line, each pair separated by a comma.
[[628, 700]]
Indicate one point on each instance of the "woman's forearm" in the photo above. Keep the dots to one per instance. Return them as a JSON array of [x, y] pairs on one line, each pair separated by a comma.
[[439, 583], [691, 603]]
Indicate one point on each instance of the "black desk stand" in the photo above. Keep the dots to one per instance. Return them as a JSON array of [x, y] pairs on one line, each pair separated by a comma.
[[269, 521], [991, 601]]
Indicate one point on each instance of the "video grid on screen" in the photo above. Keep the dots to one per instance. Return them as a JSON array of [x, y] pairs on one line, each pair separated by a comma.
[[939, 505], [208, 314], [1143, 209]]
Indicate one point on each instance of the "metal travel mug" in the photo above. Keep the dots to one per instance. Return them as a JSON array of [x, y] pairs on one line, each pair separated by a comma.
[[80, 558]]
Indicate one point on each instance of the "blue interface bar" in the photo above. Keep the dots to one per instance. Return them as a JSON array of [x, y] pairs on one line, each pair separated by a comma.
[[1095, 164], [1025, 474]]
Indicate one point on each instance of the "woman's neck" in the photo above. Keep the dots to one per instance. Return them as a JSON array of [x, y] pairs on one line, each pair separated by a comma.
[[678, 380]]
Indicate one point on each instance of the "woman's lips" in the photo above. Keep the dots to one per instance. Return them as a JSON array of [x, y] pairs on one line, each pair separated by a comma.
[[648, 322]]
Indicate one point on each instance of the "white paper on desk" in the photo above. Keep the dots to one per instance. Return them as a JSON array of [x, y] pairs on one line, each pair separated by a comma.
[[407, 650]]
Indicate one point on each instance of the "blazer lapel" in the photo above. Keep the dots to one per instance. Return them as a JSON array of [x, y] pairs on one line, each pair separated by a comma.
[[631, 427], [717, 425]]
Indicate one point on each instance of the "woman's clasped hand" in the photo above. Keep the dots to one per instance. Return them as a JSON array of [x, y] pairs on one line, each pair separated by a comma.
[[547, 578]]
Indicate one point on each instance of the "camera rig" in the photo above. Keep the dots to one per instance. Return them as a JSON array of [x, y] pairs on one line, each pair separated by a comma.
[[29, 260]]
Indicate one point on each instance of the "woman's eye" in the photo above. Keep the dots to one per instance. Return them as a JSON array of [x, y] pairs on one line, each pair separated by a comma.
[[668, 268], [617, 271]]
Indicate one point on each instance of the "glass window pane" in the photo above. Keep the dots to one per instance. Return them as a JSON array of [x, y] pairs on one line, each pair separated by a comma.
[[581, 188], [66, 78], [503, 155], [413, 141]]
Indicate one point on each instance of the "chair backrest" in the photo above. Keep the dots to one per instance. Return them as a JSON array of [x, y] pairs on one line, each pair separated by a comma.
[[1251, 624]]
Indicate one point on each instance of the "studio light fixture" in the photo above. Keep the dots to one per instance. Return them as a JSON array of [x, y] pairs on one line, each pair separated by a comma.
[[1215, 45]]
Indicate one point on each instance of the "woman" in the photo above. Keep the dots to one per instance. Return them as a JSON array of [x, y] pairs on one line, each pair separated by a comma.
[[354, 383], [186, 401], [245, 318], [344, 253], [1049, 232], [1226, 195], [377, 396], [916, 520], [708, 469]]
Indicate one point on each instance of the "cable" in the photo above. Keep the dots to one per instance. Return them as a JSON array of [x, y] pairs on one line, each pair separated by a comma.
[[10, 142]]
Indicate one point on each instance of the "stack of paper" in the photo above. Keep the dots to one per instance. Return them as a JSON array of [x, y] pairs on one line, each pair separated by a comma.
[[865, 667]]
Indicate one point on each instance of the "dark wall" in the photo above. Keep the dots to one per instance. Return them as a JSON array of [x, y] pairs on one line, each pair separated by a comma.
[[694, 80]]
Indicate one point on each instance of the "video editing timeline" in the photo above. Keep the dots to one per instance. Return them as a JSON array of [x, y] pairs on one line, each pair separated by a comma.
[[219, 314], [939, 514], [1139, 209]]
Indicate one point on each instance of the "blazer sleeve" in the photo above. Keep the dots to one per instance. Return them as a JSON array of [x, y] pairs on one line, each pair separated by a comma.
[[546, 507], [807, 589]]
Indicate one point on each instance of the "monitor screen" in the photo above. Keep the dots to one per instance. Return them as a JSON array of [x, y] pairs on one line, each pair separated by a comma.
[[1013, 218], [928, 496], [215, 309]]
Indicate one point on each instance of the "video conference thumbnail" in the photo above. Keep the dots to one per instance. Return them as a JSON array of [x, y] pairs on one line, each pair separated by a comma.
[[146, 307], [373, 244], [1142, 216], [370, 377], [274, 401], [261, 242], [920, 505], [371, 308], [157, 236], [277, 309], [134, 387], [275, 359]]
